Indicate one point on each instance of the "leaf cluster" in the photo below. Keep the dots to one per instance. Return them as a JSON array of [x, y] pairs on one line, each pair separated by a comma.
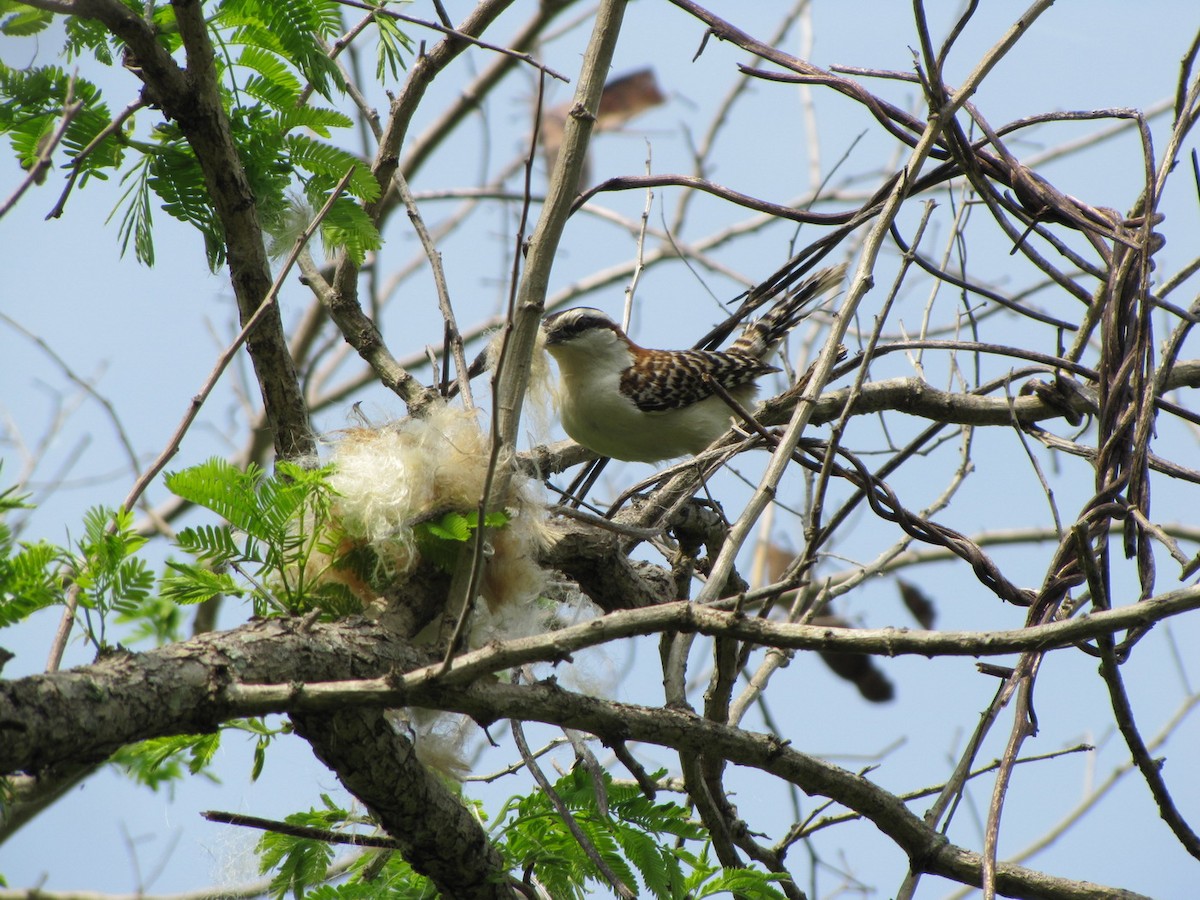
[[278, 546], [19, 20], [439, 540], [107, 571], [32, 102], [28, 581], [273, 57], [163, 761], [635, 835], [275, 539], [630, 832], [300, 865], [102, 567]]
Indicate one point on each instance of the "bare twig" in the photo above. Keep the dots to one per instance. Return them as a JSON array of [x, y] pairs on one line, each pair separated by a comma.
[[302, 831], [556, 801], [37, 171]]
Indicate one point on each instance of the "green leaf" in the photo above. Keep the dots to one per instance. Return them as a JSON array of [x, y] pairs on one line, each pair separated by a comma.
[[86, 34], [385, 872], [440, 541], [137, 223], [9, 501], [31, 106], [107, 573], [159, 761], [175, 175], [260, 757], [657, 865], [274, 95], [314, 118], [347, 227], [132, 583], [28, 580], [337, 600], [631, 838], [156, 618], [451, 527], [393, 45], [332, 162], [213, 544], [456, 526], [273, 71], [353, 891], [749, 883], [299, 863], [162, 760], [284, 519], [196, 584], [24, 21], [225, 489], [290, 28]]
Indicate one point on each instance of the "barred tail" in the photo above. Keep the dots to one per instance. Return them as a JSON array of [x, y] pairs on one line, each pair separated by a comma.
[[762, 335]]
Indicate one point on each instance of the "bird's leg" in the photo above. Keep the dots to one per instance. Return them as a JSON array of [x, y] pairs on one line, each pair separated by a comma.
[[584, 482]]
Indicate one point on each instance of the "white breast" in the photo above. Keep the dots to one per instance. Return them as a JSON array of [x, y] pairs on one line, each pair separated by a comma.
[[596, 414]]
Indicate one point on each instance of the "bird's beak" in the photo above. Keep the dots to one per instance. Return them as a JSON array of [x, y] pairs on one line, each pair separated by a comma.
[[552, 337]]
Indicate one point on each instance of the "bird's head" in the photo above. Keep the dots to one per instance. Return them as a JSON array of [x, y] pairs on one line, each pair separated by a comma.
[[586, 333]]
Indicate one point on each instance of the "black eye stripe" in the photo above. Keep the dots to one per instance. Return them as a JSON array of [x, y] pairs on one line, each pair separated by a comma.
[[572, 322]]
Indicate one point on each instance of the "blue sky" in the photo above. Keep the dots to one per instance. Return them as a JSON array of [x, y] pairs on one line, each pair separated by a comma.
[[146, 339]]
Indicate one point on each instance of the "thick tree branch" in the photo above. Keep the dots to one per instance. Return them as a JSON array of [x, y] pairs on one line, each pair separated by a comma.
[[512, 374], [438, 835], [188, 687], [191, 97], [84, 714]]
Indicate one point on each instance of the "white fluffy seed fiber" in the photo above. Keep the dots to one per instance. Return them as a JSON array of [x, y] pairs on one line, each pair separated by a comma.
[[392, 478]]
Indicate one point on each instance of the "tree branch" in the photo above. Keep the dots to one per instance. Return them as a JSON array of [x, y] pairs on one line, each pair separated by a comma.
[[192, 98], [49, 719], [263, 667]]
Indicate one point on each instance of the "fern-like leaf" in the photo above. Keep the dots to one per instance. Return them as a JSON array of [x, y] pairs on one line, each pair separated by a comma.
[[226, 490], [748, 883], [86, 35], [348, 227], [19, 20], [332, 163], [31, 107], [299, 863], [394, 44], [132, 583], [176, 177], [290, 28], [272, 70], [213, 544], [315, 118], [160, 761], [195, 584], [28, 581], [137, 223]]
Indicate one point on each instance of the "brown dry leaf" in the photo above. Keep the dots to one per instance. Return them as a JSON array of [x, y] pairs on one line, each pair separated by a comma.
[[918, 603], [623, 98]]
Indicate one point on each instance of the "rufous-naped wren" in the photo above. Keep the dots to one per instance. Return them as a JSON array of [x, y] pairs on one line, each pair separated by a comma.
[[631, 403]]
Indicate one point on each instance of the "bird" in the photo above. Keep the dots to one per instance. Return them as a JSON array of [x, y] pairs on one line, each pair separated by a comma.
[[640, 405]]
